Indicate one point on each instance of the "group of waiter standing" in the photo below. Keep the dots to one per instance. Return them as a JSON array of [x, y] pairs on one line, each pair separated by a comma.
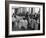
[[26, 21]]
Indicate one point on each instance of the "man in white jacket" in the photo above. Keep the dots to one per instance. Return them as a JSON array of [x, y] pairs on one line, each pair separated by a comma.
[[23, 23]]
